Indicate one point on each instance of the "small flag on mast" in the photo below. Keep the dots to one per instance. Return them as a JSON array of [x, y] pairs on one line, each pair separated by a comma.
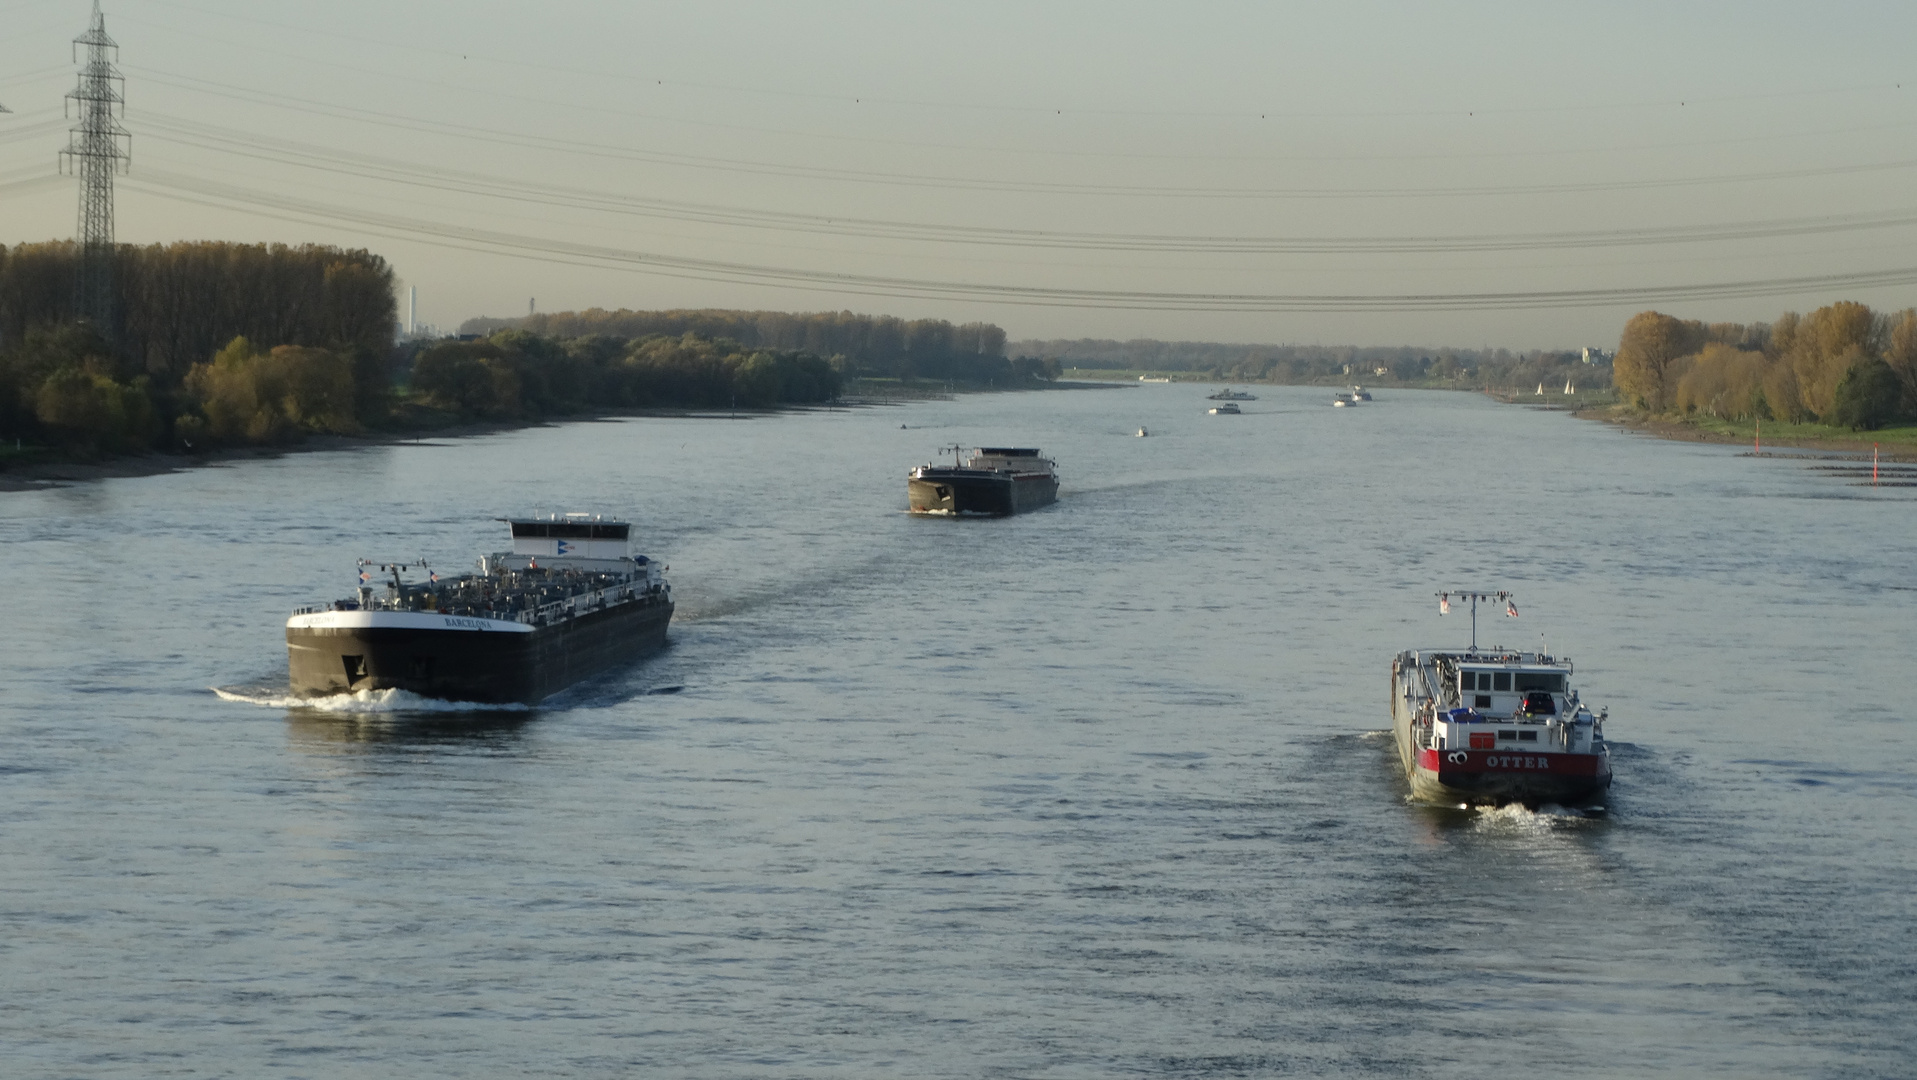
[[1510, 609], [1444, 603]]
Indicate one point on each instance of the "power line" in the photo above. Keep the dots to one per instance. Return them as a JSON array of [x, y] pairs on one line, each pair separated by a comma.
[[367, 166], [957, 183], [224, 196]]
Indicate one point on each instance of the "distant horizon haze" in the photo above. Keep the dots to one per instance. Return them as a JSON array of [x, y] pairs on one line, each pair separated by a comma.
[[1073, 170]]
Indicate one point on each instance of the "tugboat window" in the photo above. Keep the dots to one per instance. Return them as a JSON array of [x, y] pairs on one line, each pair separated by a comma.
[[1501, 681]]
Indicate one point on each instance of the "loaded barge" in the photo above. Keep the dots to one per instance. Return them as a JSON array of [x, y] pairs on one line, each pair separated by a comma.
[[994, 482], [1497, 726], [568, 601]]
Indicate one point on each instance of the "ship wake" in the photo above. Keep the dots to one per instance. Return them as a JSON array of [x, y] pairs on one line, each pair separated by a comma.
[[1517, 817], [358, 702]]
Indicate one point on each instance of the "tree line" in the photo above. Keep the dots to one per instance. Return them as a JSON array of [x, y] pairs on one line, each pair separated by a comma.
[[217, 344], [1486, 368], [873, 346], [519, 374], [180, 344], [1842, 364]]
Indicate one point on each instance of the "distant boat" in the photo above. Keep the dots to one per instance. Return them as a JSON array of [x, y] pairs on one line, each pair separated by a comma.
[[1229, 408], [1341, 401], [1359, 393], [1540, 389], [1142, 433], [1228, 394], [1148, 378], [1568, 388]]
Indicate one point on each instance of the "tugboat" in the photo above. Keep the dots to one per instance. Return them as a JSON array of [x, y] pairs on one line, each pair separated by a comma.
[[1495, 726], [568, 602], [994, 482]]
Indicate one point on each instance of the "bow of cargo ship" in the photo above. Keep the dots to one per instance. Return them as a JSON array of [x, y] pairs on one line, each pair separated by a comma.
[[569, 601]]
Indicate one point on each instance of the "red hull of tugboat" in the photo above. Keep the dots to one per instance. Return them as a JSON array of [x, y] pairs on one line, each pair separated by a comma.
[[1496, 727], [1506, 776]]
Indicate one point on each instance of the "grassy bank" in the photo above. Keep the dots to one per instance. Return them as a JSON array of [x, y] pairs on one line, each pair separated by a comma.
[[1896, 443]]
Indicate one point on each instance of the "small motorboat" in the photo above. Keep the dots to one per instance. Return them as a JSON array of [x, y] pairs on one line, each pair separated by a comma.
[[1142, 433], [1229, 408]]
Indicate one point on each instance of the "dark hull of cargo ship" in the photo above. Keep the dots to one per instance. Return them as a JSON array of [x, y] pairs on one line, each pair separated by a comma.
[[454, 664], [1497, 777], [957, 492]]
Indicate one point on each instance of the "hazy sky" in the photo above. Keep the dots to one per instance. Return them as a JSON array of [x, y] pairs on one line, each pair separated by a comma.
[[1011, 162]]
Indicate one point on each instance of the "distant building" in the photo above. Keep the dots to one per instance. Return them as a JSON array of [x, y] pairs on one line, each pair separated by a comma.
[[1381, 372], [1596, 356]]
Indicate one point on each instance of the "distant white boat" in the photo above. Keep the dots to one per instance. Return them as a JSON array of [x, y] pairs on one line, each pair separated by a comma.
[[1148, 378], [1229, 408], [1142, 433], [1568, 388], [1340, 402], [1540, 389]]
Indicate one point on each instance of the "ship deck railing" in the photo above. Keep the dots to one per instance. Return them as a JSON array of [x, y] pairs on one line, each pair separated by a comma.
[[541, 615]]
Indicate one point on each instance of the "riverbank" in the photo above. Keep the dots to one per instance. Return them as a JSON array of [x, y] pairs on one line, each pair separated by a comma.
[[38, 475], [1897, 443], [38, 468]]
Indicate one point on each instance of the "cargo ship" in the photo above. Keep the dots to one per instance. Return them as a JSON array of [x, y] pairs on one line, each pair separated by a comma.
[[993, 482], [569, 601], [1478, 727]]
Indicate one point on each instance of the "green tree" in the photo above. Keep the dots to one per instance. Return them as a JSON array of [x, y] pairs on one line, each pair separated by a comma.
[[249, 396], [472, 378], [1866, 397], [88, 410]]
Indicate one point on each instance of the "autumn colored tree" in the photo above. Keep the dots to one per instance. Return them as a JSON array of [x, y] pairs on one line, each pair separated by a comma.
[[1652, 342], [1724, 381], [248, 396], [1900, 352], [89, 410], [1828, 343], [179, 303]]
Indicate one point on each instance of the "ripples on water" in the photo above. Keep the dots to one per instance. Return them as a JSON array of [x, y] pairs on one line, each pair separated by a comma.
[[1096, 791]]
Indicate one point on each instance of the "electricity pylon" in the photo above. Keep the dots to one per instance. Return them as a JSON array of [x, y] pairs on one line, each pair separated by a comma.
[[94, 151]]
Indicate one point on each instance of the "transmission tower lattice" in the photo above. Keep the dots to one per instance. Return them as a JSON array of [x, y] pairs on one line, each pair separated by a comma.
[[97, 147]]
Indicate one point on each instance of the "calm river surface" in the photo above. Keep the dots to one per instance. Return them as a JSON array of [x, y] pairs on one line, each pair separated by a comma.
[[1104, 790]]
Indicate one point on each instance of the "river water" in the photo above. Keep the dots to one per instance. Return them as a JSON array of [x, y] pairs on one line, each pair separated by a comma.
[[1102, 790]]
